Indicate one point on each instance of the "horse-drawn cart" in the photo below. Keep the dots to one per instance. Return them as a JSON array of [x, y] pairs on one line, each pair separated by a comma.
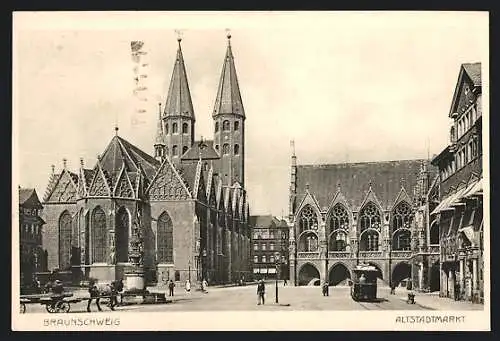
[[54, 303]]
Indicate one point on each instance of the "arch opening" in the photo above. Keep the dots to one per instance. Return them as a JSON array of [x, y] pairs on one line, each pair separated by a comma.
[[379, 271], [339, 275], [435, 281], [122, 235], [401, 273], [308, 242], [434, 234], [309, 275]]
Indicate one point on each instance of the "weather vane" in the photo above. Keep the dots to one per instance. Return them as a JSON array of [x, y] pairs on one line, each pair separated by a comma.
[[179, 35]]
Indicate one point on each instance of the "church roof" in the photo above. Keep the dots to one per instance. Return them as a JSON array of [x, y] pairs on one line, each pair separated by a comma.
[[207, 152], [179, 101], [188, 174], [28, 197], [354, 180], [257, 221], [119, 152], [228, 100]]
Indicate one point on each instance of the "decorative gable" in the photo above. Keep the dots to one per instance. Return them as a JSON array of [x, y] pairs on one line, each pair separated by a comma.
[[167, 184], [339, 198], [402, 196], [309, 199], [99, 186], [371, 197], [82, 186], [124, 188], [64, 190]]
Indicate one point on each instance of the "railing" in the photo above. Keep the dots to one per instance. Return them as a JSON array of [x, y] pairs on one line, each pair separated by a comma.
[[401, 254], [339, 254], [308, 255], [370, 254], [434, 249]]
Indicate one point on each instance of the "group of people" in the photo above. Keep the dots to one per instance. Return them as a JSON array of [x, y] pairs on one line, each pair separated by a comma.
[[187, 287], [110, 290]]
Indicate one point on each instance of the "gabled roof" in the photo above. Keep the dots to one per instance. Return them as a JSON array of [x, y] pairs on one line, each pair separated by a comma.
[[355, 179], [207, 151], [263, 221], [29, 198], [228, 100], [188, 173], [179, 101], [472, 71], [120, 151]]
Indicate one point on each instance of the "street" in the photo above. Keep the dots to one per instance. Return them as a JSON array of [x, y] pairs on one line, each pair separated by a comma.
[[245, 299]]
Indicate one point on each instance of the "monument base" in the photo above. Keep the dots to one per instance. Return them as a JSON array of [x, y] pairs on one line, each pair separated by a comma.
[[134, 282]]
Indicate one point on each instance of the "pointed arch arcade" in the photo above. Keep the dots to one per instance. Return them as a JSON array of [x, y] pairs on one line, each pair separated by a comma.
[[402, 218], [338, 228], [370, 223], [308, 228], [65, 229], [165, 239]]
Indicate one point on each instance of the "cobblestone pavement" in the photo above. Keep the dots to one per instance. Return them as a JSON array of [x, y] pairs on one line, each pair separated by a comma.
[[290, 299]]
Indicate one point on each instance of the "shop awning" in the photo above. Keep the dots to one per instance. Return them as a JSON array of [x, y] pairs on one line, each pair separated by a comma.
[[443, 205], [457, 197], [474, 189], [271, 270], [256, 271], [469, 232]]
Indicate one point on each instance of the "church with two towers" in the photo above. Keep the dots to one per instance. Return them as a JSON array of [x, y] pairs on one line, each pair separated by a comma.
[[187, 203]]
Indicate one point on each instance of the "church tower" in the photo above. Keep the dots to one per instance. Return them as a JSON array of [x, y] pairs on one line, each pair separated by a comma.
[[178, 116], [160, 145], [229, 123]]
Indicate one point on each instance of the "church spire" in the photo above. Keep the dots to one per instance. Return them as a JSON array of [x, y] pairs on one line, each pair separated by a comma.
[[160, 136], [179, 101], [228, 100]]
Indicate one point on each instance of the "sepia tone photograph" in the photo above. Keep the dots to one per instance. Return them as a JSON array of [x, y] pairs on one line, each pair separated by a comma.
[[278, 165]]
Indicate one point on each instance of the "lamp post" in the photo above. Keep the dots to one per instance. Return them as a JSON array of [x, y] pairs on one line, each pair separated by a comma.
[[277, 257], [189, 271]]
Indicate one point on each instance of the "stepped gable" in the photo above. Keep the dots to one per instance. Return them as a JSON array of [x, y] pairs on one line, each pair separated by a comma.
[[355, 179]]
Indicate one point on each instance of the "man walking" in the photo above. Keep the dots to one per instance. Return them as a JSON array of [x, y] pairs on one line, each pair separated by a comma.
[[261, 291], [171, 286]]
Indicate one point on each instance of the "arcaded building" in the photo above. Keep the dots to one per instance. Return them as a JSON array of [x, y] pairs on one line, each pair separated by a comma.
[[187, 202], [350, 213]]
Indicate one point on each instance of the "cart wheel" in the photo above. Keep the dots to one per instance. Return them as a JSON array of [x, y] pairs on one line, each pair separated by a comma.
[[62, 307], [22, 308], [51, 308]]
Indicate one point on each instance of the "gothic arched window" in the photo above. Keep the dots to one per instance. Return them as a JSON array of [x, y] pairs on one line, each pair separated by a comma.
[[226, 125], [434, 234], [174, 128], [122, 234], [370, 217], [98, 236], [338, 241], [185, 128], [339, 219], [175, 150], [65, 241], [166, 129], [216, 126], [184, 149], [236, 125], [308, 219], [165, 239], [225, 149], [236, 149], [402, 218]]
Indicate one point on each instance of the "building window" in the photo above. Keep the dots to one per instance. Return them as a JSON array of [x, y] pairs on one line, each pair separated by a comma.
[[216, 126], [308, 220], [271, 259], [372, 241], [338, 241], [174, 128], [271, 235], [236, 149], [166, 128], [165, 239], [64, 241], [226, 125], [217, 147], [264, 259], [175, 150], [177, 275], [225, 149], [236, 125], [370, 217], [98, 235], [338, 219], [255, 259], [122, 233], [184, 149], [184, 128], [401, 224], [256, 235], [255, 246], [263, 246], [271, 246]]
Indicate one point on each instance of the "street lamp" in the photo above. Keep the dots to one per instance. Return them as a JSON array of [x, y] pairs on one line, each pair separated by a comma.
[[277, 258], [189, 270]]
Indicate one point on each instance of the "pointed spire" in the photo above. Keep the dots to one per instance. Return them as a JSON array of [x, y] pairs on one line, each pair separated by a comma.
[[65, 163], [228, 100], [160, 136], [116, 130], [81, 162], [179, 101]]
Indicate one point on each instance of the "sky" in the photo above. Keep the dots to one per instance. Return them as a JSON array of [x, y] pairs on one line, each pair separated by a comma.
[[345, 86]]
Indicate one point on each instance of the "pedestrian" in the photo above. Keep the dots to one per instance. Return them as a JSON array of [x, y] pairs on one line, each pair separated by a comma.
[[204, 286], [284, 282], [188, 286], [57, 288], [325, 288], [94, 295], [171, 286], [261, 292]]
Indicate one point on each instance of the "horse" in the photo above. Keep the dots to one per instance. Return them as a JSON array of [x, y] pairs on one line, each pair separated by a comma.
[[100, 290]]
